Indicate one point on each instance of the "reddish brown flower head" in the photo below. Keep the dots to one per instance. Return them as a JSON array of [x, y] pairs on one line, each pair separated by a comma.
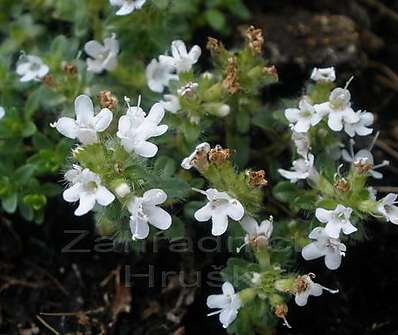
[[107, 100], [255, 39], [231, 80], [218, 155], [257, 178]]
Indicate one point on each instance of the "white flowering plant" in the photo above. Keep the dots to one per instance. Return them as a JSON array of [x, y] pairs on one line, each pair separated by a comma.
[[151, 145]]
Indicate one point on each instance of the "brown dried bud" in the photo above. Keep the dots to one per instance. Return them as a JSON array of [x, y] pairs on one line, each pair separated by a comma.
[[213, 45], [70, 69], [257, 178], [255, 39], [107, 100], [281, 311], [49, 81], [231, 82], [271, 71], [301, 284], [342, 185], [218, 155], [363, 166]]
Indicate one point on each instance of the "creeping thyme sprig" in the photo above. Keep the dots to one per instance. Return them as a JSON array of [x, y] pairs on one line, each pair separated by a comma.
[[110, 163]]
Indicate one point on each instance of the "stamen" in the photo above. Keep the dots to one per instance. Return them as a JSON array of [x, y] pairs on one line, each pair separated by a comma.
[[348, 82], [241, 247], [127, 100], [214, 313], [383, 163], [374, 141], [351, 147], [330, 290], [285, 323], [198, 190], [139, 101]]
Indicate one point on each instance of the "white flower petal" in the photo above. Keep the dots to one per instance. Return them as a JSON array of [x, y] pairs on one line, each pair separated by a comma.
[[219, 223], [146, 149], [84, 110], [103, 119], [301, 298], [228, 288], [217, 301], [155, 196], [323, 215], [103, 196], [94, 48], [158, 217], [249, 224], [204, 214], [311, 251], [139, 229], [72, 194], [86, 203], [235, 210], [227, 316], [67, 127], [332, 260]]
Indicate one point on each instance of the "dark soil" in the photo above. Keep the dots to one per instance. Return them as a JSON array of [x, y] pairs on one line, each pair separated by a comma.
[[84, 290]]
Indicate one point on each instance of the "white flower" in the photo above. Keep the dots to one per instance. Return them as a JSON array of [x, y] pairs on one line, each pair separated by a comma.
[[2, 112], [387, 207], [200, 150], [127, 6], [103, 57], [324, 75], [31, 68], [302, 143], [145, 210], [227, 303], [171, 103], [338, 109], [361, 126], [218, 209], [187, 89], [87, 188], [303, 168], [336, 220], [324, 246], [86, 126], [257, 234], [304, 117], [307, 287], [158, 75], [135, 128], [363, 160], [181, 60]]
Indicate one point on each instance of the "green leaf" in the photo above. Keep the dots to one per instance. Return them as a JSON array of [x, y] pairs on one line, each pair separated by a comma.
[[285, 191], [24, 173], [165, 165], [215, 18], [29, 129], [9, 203]]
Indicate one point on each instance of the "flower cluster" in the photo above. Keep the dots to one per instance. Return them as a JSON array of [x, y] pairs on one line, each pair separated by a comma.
[[92, 184]]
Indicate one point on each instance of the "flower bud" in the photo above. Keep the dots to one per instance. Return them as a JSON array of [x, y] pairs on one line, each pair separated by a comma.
[[247, 295], [285, 285], [223, 110], [122, 189]]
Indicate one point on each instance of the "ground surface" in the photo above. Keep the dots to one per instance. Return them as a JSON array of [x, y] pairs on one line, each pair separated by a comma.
[[360, 37]]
